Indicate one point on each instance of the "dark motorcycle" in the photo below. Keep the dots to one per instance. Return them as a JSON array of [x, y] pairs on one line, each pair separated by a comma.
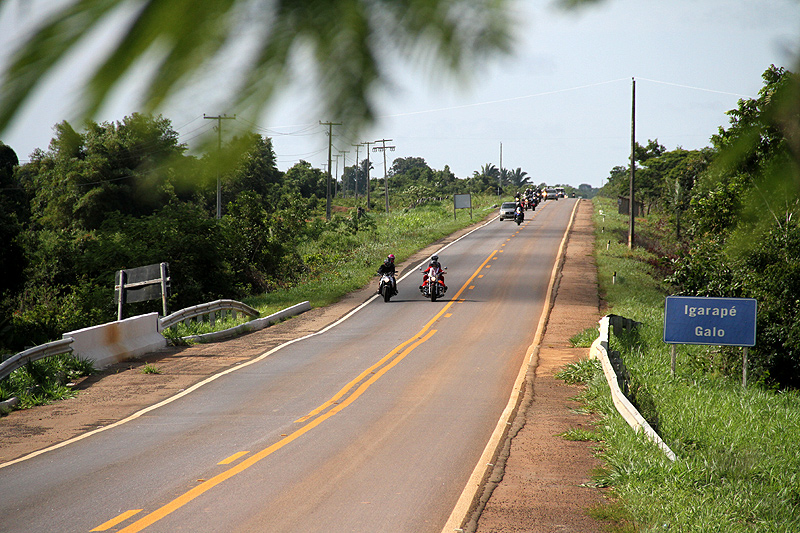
[[519, 217], [386, 288]]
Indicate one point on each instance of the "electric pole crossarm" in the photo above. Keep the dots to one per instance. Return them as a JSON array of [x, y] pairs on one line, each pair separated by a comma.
[[385, 170]]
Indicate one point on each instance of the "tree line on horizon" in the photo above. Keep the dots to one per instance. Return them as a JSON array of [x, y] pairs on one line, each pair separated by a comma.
[[126, 194]]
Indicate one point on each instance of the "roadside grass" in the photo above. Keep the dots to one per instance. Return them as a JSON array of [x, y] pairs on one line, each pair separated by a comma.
[[738, 466], [584, 339], [150, 369], [342, 258], [45, 381]]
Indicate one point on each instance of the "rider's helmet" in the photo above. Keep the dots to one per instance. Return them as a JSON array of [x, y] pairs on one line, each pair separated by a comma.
[[390, 258], [434, 258]]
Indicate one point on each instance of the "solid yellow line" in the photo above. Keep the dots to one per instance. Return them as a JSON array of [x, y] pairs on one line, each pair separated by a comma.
[[232, 458], [336, 397], [114, 521], [200, 489], [187, 497]]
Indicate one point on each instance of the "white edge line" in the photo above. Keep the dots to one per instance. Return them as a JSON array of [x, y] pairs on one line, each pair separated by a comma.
[[220, 374], [466, 501]]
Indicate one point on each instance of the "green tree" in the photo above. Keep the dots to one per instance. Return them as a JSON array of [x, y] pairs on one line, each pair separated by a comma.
[[125, 166], [308, 181], [518, 178], [485, 180], [13, 216], [744, 216], [410, 171]]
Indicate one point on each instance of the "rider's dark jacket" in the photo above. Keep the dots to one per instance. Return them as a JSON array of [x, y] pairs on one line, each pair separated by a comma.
[[386, 268]]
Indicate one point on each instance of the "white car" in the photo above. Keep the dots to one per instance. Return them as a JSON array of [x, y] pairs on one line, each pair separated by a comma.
[[507, 210]]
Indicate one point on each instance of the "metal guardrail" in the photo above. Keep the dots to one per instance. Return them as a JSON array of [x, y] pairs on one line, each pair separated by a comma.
[[34, 354], [213, 310], [625, 408]]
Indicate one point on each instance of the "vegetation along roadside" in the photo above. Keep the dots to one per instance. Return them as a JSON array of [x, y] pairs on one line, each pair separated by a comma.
[[716, 234]]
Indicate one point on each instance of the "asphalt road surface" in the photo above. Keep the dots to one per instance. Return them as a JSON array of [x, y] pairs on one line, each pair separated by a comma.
[[373, 425]]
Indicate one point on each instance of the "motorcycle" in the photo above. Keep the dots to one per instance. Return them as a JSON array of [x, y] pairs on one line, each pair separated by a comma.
[[519, 218], [386, 287], [434, 287]]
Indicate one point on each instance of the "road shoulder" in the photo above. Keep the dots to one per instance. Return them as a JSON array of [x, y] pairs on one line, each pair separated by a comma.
[[546, 484]]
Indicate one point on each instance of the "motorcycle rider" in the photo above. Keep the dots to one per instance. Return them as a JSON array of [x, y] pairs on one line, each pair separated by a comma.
[[388, 268], [519, 213], [435, 265]]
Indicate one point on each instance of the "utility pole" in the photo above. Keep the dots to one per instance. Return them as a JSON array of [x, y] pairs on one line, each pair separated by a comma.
[[385, 169], [358, 170], [631, 204], [336, 176], [369, 204], [219, 119], [500, 177], [343, 153], [330, 147]]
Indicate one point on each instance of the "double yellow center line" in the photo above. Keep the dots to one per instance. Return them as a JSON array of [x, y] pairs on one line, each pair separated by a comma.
[[342, 399]]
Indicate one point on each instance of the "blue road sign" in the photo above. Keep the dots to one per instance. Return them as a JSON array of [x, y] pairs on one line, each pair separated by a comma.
[[713, 321]]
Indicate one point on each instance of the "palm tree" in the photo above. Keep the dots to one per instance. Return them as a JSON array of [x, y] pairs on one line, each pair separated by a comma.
[[488, 171], [518, 178]]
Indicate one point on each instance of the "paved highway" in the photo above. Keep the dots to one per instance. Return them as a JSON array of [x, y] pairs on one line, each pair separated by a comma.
[[374, 425]]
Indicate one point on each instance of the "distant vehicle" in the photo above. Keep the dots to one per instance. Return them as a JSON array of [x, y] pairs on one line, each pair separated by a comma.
[[550, 194], [507, 210], [561, 192]]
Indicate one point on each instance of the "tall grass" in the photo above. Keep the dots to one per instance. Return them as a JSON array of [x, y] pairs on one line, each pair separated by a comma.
[[44, 381], [342, 260], [738, 466]]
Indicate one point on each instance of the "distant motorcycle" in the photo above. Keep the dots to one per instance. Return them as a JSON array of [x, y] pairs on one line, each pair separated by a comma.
[[519, 217], [386, 287], [433, 287]]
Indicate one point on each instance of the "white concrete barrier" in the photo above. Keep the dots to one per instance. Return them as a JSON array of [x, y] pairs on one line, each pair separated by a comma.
[[625, 408], [114, 342]]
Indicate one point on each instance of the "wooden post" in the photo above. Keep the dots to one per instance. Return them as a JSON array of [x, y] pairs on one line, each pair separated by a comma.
[[744, 367], [120, 294], [631, 203], [673, 356], [164, 287]]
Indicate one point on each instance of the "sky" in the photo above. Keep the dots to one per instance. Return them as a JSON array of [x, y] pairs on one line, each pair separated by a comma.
[[558, 106]]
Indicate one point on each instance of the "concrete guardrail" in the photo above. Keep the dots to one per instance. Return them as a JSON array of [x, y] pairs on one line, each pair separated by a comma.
[[114, 342], [625, 408]]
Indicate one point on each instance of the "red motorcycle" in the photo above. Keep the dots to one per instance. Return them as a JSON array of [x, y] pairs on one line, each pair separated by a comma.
[[433, 286]]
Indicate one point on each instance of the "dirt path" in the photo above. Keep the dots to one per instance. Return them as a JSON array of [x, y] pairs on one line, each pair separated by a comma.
[[543, 484]]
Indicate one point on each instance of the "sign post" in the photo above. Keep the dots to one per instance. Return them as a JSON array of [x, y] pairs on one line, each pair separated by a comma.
[[710, 321], [462, 201], [141, 284]]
